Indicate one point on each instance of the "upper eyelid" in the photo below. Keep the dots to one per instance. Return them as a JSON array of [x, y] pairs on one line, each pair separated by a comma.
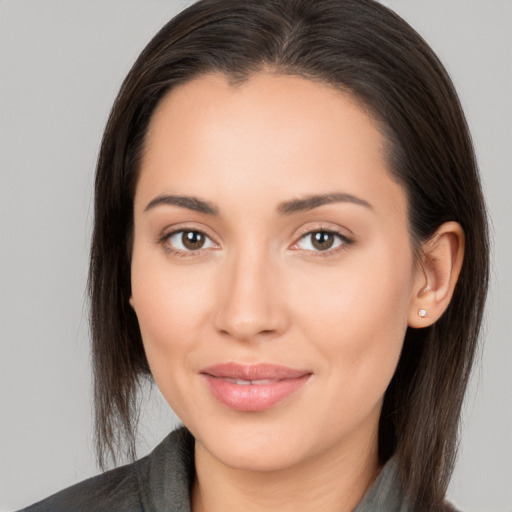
[[172, 232], [343, 232], [334, 231], [313, 227], [177, 228]]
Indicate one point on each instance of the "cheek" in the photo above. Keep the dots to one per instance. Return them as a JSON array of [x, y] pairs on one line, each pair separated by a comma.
[[357, 318], [170, 310], [170, 305]]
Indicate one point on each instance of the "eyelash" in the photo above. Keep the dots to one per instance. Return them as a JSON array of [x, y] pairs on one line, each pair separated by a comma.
[[344, 242], [165, 242]]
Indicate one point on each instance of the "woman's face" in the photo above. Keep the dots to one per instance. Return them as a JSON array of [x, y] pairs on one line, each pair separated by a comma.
[[272, 271]]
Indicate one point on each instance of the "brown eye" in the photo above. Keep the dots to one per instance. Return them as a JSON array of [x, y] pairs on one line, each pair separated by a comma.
[[192, 240], [189, 240], [321, 241]]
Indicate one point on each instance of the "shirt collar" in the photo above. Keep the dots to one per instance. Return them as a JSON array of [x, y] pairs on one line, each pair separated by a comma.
[[166, 484]]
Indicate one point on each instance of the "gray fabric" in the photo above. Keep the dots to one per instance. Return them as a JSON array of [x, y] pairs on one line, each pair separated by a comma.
[[161, 482], [166, 486], [386, 493]]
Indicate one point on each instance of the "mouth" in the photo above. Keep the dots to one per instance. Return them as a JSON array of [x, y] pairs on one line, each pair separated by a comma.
[[253, 388]]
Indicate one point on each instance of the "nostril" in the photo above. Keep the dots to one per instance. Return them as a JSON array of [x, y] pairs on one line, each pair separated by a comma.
[[247, 333]]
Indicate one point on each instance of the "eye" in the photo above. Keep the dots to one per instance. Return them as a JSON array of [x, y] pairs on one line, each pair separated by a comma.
[[188, 240], [321, 241]]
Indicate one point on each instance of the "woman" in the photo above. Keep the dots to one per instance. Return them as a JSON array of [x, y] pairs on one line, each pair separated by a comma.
[[290, 239]]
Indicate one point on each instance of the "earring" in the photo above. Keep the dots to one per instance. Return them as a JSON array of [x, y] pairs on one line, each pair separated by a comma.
[[422, 313]]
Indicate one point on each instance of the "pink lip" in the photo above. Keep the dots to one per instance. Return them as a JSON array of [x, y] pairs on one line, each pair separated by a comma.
[[278, 383]]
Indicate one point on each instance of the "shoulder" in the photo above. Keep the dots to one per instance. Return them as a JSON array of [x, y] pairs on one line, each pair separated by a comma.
[[115, 490], [387, 494], [163, 476]]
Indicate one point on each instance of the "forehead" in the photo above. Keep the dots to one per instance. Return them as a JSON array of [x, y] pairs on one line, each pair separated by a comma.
[[278, 133], [266, 103]]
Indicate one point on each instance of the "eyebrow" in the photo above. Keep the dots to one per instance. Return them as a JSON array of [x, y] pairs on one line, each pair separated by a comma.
[[286, 208], [315, 201], [191, 203]]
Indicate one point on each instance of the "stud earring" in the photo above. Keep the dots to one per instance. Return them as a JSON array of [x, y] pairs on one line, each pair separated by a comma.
[[422, 313]]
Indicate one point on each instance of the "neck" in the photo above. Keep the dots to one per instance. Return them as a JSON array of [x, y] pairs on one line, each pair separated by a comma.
[[333, 481]]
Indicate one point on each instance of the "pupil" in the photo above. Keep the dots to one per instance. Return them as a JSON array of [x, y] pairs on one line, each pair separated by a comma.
[[192, 240], [322, 240]]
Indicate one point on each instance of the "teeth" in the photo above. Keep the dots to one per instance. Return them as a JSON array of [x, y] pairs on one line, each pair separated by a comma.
[[260, 382]]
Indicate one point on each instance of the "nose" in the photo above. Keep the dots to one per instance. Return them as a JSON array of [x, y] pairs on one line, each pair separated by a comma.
[[251, 303]]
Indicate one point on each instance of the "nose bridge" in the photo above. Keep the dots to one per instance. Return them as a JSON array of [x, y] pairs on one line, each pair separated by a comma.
[[249, 303]]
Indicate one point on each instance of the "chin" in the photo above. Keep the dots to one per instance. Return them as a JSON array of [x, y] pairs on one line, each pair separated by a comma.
[[264, 459], [255, 446]]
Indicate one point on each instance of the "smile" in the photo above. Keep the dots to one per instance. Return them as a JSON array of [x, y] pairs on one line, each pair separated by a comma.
[[253, 388]]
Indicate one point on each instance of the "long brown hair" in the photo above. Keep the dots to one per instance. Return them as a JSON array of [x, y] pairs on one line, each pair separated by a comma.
[[366, 50]]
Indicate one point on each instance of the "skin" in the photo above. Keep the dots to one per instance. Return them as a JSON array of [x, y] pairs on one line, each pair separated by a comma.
[[258, 291]]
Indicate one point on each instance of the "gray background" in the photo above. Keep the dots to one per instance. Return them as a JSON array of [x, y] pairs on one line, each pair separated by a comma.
[[61, 63]]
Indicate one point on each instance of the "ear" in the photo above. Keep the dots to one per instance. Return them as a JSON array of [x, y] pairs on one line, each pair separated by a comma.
[[439, 268]]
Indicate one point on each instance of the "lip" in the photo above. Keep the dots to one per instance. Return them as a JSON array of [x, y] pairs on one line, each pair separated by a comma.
[[253, 388]]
